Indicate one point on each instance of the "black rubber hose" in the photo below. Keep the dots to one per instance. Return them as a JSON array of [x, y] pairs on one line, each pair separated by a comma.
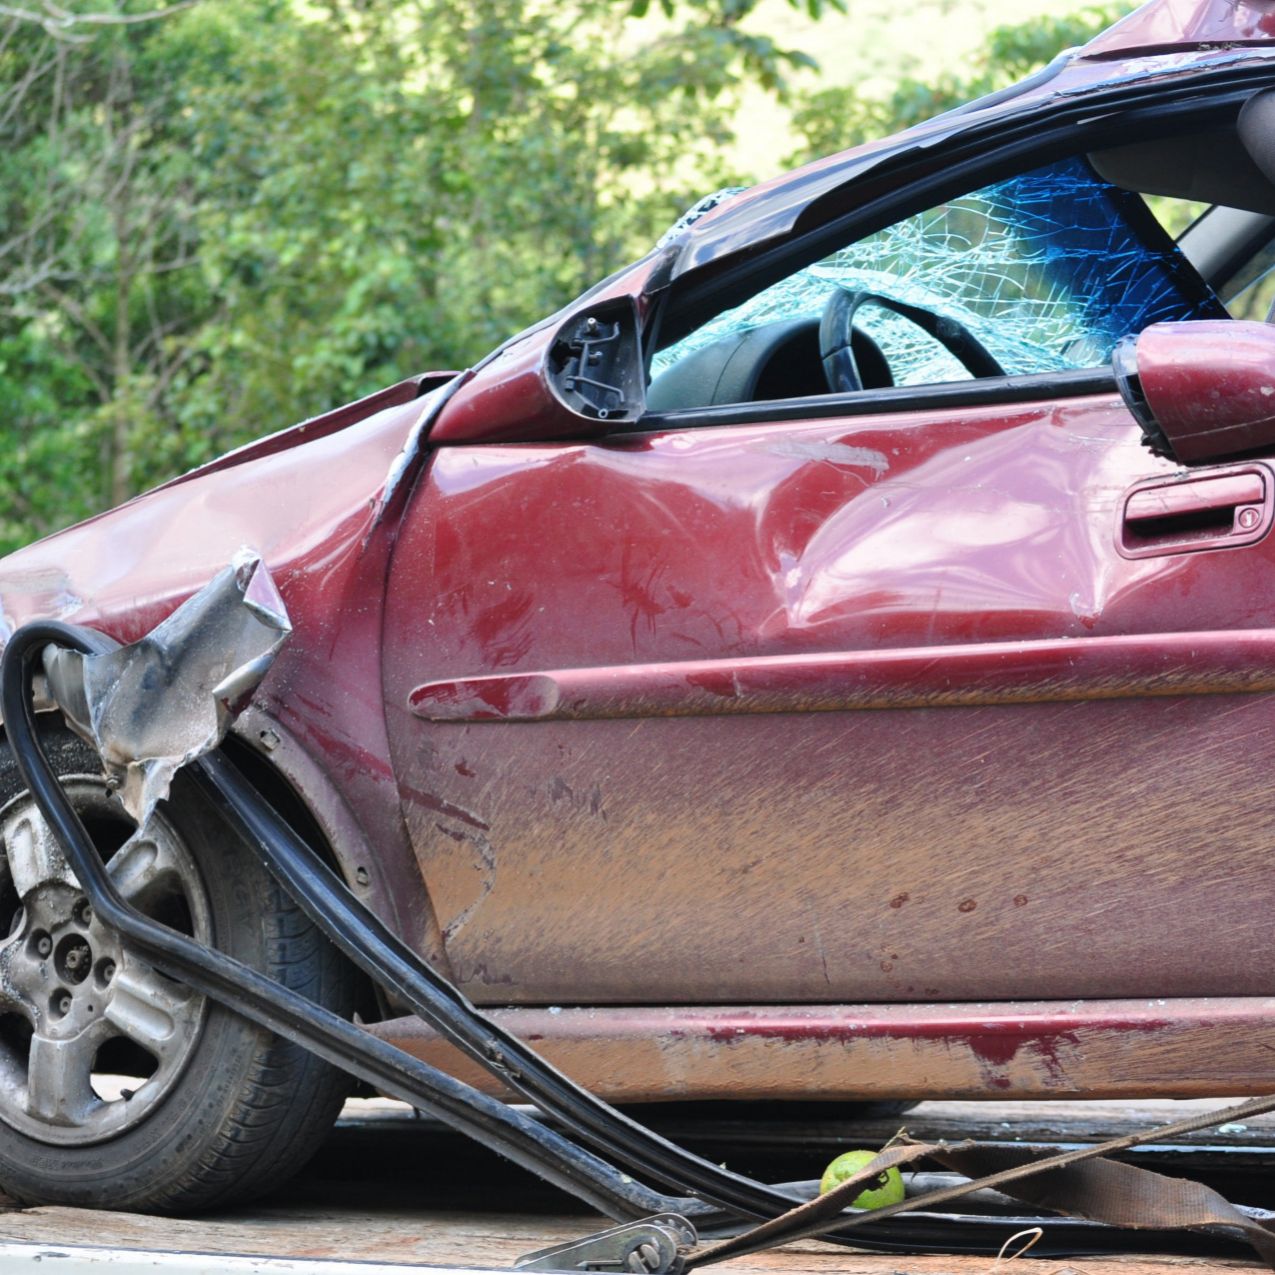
[[389, 962], [528, 1143], [392, 965], [525, 1141]]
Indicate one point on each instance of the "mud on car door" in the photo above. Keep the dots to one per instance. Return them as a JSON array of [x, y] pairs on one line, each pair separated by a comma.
[[792, 695]]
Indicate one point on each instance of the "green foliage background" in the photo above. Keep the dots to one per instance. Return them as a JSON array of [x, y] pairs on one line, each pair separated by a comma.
[[218, 223]]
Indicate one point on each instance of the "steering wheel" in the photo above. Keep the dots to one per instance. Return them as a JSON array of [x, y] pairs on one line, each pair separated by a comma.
[[844, 349]]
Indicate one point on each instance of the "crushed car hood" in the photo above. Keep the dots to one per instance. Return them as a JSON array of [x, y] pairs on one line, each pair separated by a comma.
[[311, 492]]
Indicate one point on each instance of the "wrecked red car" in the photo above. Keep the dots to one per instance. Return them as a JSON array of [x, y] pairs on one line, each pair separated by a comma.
[[830, 660]]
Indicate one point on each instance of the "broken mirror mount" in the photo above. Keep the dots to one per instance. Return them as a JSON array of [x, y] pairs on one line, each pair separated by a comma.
[[595, 363], [1201, 390]]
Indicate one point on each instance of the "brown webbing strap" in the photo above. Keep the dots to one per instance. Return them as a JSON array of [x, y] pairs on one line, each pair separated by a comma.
[[1118, 1194], [1136, 1197]]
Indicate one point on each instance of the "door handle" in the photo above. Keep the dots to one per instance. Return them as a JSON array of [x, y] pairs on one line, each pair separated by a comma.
[[1220, 510]]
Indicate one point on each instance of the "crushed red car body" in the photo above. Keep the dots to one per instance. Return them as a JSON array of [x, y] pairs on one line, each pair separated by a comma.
[[742, 706]]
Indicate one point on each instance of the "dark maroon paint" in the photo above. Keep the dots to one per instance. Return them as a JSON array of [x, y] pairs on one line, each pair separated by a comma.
[[915, 752], [963, 564], [1210, 386]]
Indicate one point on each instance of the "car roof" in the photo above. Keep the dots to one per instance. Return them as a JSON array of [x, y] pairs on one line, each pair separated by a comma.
[[1179, 24], [1162, 39]]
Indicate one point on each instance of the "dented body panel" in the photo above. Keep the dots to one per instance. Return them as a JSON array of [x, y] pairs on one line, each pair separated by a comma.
[[677, 712], [309, 510]]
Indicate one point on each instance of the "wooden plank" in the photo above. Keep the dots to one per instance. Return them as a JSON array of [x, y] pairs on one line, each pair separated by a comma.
[[494, 1242], [95, 1260], [393, 1188], [417, 1237]]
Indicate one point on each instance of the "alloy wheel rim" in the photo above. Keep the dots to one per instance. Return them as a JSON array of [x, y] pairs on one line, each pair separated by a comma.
[[92, 1038]]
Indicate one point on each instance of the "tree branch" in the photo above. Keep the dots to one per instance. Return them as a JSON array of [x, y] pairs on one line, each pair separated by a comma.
[[77, 312], [91, 374], [65, 24]]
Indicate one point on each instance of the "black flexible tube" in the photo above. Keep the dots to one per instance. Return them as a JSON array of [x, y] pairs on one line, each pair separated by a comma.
[[387, 960], [358, 933], [527, 1142]]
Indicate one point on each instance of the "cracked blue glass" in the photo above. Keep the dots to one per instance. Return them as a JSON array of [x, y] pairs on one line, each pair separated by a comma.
[[1048, 269]]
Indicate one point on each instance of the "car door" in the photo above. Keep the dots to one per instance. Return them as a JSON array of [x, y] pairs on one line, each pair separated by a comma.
[[904, 695]]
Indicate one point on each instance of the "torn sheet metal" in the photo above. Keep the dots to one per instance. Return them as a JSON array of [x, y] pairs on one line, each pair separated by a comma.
[[152, 706], [404, 462]]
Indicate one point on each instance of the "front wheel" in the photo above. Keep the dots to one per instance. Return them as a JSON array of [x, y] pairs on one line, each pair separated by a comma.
[[121, 1087]]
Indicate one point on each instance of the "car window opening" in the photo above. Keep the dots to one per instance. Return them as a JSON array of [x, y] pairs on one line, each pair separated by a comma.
[[1046, 270], [1042, 272]]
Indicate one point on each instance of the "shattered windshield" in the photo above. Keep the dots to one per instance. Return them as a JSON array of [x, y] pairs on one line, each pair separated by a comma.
[[1047, 269]]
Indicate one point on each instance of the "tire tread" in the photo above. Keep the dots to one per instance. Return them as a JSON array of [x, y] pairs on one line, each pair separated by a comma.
[[286, 1098]]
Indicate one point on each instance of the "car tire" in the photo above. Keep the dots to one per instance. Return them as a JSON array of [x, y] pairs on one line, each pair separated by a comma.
[[212, 1108]]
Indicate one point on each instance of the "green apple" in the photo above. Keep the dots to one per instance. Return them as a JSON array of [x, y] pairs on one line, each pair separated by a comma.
[[888, 1188]]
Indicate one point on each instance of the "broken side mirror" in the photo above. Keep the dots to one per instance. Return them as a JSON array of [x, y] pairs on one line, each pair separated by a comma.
[[595, 364], [580, 379], [1202, 391]]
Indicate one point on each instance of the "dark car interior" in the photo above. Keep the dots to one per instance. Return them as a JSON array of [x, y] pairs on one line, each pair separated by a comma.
[[1231, 247]]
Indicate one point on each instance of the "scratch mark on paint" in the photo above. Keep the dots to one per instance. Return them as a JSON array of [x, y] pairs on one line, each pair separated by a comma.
[[823, 959], [486, 864]]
